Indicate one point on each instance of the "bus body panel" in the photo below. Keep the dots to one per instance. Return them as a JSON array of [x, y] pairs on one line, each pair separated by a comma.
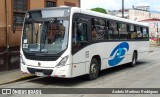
[[79, 57]]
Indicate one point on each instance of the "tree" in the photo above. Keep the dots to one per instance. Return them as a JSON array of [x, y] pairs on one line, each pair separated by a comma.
[[101, 10]]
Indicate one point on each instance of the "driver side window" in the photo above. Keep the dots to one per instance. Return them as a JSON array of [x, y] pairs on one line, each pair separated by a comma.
[[79, 36], [81, 32]]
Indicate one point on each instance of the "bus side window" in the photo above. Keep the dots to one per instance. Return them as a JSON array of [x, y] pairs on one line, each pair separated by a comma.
[[82, 32], [98, 29], [79, 37], [132, 32], [113, 31], [139, 32], [94, 29], [123, 33], [145, 33]]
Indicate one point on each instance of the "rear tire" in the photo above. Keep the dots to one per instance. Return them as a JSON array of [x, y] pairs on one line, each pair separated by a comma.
[[134, 60], [94, 70]]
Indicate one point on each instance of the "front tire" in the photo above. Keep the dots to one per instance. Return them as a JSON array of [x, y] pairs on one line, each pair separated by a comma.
[[94, 70]]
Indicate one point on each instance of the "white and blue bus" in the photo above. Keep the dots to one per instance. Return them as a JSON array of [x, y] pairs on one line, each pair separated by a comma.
[[68, 42]]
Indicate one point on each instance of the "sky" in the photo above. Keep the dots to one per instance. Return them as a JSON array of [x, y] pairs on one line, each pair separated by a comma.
[[117, 4]]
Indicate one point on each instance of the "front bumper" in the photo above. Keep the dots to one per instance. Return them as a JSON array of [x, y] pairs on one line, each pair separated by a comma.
[[62, 72]]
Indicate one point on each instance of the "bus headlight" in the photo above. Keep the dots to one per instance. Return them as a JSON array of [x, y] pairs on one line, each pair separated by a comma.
[[63, 61]]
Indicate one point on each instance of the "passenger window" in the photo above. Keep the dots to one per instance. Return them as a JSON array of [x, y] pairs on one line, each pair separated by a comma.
[[132, 32], [98, 29], [113, 31], [145, 33], [139, 32], [123, 34]]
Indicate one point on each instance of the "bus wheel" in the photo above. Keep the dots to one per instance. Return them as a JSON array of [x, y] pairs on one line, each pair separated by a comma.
[[94, 70], [134, 59]]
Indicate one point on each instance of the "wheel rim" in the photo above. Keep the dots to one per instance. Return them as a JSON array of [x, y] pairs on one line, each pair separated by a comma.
[[94, 70]]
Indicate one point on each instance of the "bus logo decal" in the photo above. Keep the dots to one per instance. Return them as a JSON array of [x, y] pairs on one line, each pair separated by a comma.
[[118, 54]]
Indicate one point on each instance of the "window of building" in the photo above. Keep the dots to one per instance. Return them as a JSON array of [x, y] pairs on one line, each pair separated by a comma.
[[123, 34], [51, 3], [113, 30], [98, 29], [20, 7], [69, 4]]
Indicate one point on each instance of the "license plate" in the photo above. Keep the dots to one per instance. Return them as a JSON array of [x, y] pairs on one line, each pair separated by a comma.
[[39, 73]]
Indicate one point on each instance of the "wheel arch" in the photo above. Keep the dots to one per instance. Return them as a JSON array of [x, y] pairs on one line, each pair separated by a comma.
[[98, 58]]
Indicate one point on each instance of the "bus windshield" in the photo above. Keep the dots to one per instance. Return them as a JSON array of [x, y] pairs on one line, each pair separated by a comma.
[[45, 36]]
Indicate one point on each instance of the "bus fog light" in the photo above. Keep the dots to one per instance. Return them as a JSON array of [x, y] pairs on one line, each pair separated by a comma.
[[63, 61]]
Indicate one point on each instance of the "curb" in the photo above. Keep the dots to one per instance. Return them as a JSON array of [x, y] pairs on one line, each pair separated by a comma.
[[19, 79]]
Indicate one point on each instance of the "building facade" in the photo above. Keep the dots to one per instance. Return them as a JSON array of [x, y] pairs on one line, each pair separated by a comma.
[[12, 12]]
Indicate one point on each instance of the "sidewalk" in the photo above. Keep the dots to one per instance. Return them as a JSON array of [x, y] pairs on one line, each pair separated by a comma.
[[12, 76]]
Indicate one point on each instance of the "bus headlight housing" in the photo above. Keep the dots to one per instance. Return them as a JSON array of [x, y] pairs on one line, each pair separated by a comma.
[[63, 61]]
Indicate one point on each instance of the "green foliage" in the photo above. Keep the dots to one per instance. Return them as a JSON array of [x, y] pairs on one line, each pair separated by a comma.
[[101, 10]]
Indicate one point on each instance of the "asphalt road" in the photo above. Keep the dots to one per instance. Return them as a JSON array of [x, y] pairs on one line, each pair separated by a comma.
[[146, 74]]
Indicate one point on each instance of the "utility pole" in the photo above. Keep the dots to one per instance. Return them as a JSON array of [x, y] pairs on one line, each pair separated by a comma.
[[122, 8]]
